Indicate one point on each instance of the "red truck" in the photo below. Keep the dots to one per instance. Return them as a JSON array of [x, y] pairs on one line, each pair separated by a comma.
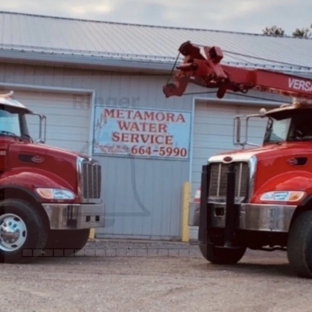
[[50, 198], [257, 198]]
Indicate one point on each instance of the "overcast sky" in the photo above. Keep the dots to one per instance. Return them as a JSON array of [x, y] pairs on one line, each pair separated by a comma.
[[233, 15]]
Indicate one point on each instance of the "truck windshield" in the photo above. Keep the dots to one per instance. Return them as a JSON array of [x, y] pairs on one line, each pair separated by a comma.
[[301, 127], [13, 123], [290, 127], [10, 123]]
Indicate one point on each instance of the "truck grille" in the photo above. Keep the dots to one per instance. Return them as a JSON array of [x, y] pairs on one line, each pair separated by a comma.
[[91, 179], [218, 179]]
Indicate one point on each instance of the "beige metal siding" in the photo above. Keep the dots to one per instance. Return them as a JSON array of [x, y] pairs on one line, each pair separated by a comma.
[[213, 132], [65, 129]]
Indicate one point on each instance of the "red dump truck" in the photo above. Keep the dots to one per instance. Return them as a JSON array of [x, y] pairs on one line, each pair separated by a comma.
[[50, 198], [257, 198]]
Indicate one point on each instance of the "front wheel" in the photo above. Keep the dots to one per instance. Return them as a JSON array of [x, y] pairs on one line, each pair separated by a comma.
[[221, 256], [299, 245], [23, 234]]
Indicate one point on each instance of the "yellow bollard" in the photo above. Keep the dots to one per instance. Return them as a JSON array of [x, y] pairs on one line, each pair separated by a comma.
[[186, 195], [92, 234]]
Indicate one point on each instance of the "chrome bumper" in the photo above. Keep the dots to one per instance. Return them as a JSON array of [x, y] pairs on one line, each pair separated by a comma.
[[77, 216], [255, 217]]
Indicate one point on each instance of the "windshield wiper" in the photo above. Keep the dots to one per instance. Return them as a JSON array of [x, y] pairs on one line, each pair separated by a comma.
[[8, 133], [304, 139], [276, 142]]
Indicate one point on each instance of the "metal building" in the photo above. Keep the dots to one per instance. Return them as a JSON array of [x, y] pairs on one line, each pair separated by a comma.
[[100, 85]]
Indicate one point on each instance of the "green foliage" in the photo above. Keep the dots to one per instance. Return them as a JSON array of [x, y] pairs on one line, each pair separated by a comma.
[[305, 32], [273, 31]]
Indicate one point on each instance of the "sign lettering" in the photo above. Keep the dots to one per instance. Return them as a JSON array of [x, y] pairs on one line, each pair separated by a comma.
[[300, 85], [141, 132]]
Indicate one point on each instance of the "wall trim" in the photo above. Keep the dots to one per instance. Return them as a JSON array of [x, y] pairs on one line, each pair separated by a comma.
[[240, 102], [44, 88]]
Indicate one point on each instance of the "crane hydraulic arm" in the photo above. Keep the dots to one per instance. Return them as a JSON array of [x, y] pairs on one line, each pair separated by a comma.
[[206, 71]]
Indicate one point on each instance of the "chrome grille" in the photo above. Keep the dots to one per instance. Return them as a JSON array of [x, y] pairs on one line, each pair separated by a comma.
[[91, 180], [218, 179]]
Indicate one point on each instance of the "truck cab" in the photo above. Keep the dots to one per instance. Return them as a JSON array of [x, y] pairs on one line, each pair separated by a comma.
[[50, 198], [261, 197]]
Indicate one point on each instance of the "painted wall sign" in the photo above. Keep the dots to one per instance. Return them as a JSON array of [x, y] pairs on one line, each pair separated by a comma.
[[142, 133]]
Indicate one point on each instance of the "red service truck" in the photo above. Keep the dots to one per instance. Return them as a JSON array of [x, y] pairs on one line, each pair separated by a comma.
[[50, 198], [261, 197]]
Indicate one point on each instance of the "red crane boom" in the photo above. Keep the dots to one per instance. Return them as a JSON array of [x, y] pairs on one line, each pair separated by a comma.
[[206, 71]]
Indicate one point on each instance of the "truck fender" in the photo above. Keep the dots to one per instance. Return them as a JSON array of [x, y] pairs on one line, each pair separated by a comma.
[[298, 180], [32, 179], [26, 181], [11, 191]]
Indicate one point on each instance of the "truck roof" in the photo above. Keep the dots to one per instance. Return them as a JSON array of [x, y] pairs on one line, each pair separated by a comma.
[[296, 105], [7, 101]]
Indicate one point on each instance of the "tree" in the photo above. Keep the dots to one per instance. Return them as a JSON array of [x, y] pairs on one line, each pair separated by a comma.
[[303, 32], [273, 31]]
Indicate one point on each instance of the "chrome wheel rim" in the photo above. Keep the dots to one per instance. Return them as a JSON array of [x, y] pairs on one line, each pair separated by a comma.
[[13, 232]]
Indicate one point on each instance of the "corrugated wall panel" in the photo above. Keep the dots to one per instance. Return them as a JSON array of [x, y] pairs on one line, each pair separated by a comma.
[[213, 133], [155, 185]]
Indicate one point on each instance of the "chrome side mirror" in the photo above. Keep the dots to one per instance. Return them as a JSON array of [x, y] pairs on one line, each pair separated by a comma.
[[42, 129], [237, 130]]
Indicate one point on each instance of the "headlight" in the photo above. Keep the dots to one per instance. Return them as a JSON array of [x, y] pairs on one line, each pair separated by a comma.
[[197, 194], [49, 193], [286, 196]]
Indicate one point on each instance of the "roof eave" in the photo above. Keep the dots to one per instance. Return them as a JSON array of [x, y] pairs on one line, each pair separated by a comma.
[[86, 62], [105, 63]]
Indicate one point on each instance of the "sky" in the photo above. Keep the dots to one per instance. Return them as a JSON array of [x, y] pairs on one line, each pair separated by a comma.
[[230, 15]]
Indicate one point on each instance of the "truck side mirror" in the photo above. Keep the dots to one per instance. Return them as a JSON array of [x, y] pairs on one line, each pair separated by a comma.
[[237, 130], [42, 127]]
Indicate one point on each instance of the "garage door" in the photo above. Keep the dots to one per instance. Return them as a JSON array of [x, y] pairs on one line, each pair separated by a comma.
[[213, 133], [67, 124]]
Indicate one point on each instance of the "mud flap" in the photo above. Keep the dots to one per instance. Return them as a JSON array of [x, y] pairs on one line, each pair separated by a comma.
[[231, 210], [204, 211]]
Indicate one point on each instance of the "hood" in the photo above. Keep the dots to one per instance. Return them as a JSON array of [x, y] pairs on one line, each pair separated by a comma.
[[48, 149], [57, 164], [42, 157], [269, 150]]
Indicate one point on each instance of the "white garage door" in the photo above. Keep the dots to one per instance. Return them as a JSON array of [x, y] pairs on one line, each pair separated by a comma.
[[213, 133], [67, 124]]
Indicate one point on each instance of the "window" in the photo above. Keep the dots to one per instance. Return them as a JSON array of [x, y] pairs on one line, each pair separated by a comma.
[[277, 130], [301, 128], [10, 122]]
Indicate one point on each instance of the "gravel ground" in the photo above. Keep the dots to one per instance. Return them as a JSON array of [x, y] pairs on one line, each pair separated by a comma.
[[136, 276]]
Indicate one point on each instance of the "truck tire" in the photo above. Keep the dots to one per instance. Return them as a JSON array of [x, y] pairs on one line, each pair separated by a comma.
[[221, 256], [299, 245], [23, 234], [65, 243]]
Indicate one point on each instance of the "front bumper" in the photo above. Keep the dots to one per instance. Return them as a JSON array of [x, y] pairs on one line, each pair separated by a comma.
[[75, 216], [254, 217], [232, 216]]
